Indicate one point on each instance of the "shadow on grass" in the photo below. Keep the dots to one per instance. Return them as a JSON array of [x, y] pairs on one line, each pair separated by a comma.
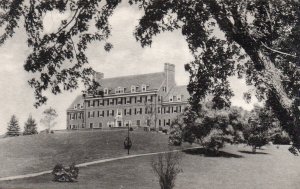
[[202, 151], [250, 152]]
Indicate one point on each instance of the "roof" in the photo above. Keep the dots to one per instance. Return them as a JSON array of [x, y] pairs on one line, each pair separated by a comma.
[[78, 100], [180, 90], [152, 81]]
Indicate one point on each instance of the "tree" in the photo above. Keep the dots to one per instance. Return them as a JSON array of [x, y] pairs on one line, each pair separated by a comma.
[[49, 115], [257, 40], [13, 128], [58, 58], [30, 126], [212, 128], [258, 131], [262, 35]]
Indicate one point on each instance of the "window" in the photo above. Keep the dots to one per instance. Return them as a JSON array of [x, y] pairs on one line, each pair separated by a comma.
[[133, 89], [120, 100], [100, 125], [119, 112], [105, 91], [119, 90], [178, 98], [158, 110], [171, 99], [89, 114], [138, 122], [111, 101], [81, 106], [144, 88], [91, 125], [111, 112], [164, 89]]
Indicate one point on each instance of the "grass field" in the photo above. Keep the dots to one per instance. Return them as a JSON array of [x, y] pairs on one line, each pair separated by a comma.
[[30, 154], [270, 168]]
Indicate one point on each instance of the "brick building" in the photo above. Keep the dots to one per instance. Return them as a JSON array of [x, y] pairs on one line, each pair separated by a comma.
[[147, 100]]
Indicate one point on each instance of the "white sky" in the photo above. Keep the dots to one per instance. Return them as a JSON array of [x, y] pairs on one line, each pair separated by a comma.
[[126, 58]]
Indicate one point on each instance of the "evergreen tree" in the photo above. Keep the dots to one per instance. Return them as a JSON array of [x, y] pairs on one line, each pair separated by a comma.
[[30, 127], [13, 128]]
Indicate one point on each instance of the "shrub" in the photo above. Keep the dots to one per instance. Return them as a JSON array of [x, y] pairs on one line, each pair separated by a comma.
[[62, 174], [282, 138], [216, 140], [175, 137], [166, 168], [165, 131]]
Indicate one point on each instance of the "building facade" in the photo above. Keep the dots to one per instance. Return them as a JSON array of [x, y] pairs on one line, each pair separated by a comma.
[[146, 100]]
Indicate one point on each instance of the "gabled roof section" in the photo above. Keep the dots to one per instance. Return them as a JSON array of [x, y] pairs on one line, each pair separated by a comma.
[[152, 81], [180, 90], [78, 100]]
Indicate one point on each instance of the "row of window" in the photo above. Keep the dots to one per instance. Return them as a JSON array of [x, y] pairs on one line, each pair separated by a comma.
[[126, 123], [125, 100], [121, 90], [118, 101], [127, 111]]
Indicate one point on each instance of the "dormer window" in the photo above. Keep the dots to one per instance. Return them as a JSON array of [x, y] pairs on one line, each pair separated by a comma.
[[119, 90], [75, 106], [133, 89], [178, 98], [171, 98], [144, 88], [105, 91]]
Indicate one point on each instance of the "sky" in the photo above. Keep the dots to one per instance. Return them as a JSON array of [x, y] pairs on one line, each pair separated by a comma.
[[126, 58]]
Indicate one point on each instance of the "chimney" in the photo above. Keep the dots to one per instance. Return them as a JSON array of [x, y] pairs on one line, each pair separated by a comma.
[[169, 70]]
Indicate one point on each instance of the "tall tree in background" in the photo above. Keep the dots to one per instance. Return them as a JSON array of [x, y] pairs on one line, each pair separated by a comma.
[[30, 126], [258, 40], [13, 128], [49, 115]]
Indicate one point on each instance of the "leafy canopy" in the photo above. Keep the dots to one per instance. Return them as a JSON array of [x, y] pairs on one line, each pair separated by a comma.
[[258, 40]]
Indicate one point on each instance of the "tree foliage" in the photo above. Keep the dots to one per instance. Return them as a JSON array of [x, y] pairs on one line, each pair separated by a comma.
[[49, 115], [259, 130], [257, 40], [212, 128], [30, 126], [13, 128], [58, 58]]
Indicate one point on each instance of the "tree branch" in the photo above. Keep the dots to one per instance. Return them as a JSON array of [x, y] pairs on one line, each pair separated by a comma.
[[277, 51]]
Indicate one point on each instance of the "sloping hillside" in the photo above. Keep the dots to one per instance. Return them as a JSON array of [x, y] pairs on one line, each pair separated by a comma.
[[29, 154]]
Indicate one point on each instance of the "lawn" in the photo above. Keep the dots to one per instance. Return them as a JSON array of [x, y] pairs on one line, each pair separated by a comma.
[[237, 168], [30, 154]]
